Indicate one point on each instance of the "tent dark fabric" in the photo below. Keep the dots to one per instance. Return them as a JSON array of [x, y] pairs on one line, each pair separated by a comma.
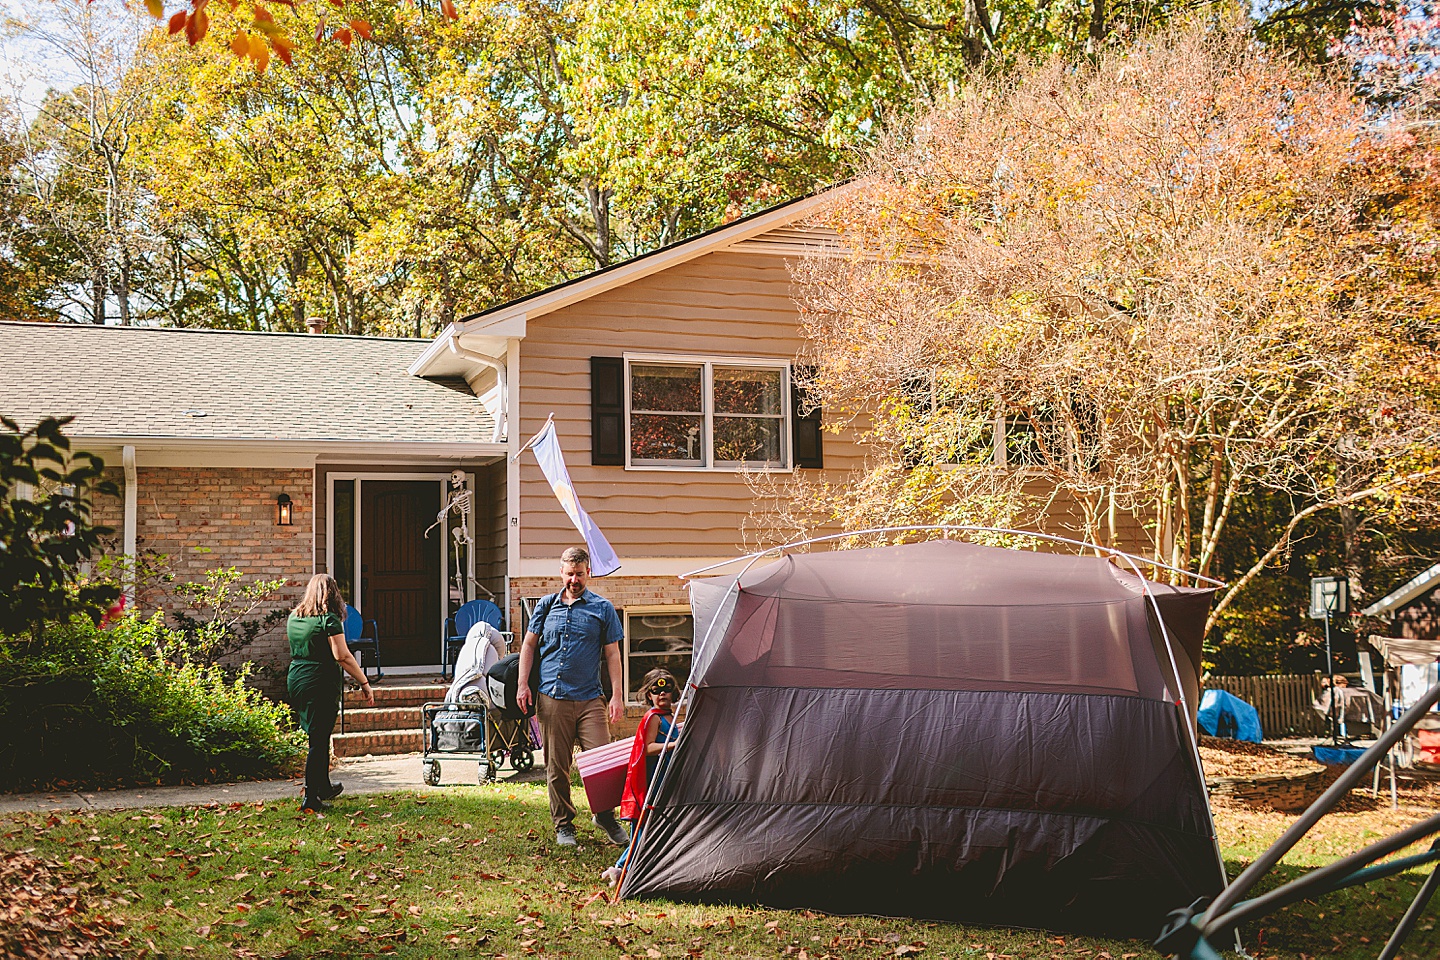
[[939, 730]]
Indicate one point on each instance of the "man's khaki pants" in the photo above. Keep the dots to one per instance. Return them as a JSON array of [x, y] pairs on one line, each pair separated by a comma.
[[564, 723]]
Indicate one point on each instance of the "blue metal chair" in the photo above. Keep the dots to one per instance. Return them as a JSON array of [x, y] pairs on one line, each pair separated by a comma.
[[466, 617], [362, 635]]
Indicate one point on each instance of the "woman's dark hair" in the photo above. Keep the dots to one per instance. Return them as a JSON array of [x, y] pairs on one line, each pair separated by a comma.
[[322, 596]]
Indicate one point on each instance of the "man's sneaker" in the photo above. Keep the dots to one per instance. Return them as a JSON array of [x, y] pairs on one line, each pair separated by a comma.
[[336, 788], [606, 821], [565, 837]]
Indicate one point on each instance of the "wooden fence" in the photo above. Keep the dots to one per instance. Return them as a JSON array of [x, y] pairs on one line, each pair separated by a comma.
[[1284, 702]]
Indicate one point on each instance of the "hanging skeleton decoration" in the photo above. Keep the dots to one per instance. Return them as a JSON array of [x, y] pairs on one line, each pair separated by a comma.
[[460, 503]]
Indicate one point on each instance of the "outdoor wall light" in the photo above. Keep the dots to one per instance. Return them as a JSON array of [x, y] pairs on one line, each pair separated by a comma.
[[284, 510]]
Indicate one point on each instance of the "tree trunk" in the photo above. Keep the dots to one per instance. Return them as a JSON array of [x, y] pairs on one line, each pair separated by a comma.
[[1097, 26], [97, 293], [122, 285], [296, 269]]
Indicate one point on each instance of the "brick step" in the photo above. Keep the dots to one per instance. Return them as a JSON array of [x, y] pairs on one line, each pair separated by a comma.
[[377, 742], [367, 719], [398, 696]]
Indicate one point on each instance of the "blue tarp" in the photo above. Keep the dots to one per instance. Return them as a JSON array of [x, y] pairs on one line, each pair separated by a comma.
[[1338, 756], [1226, 715]]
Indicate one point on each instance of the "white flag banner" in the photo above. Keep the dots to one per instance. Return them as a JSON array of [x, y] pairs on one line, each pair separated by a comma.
[[552, 463]]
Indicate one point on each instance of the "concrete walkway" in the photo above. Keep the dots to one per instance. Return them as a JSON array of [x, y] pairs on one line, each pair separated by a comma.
[[360, 775]]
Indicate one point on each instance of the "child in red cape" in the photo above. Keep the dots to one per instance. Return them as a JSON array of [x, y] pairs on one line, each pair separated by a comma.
[[659, 689]]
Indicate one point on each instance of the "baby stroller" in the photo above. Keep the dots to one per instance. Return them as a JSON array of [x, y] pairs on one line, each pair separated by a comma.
[[465, 725], [515, 733], [456, 726]]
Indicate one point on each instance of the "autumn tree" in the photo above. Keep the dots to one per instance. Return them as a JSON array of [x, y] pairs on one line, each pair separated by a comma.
[[76, 165], [1118, 299], [1394, 51]]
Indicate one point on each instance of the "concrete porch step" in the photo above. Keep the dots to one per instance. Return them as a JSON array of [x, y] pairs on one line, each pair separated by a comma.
[[377, 743], [397, 695], [368, 719]]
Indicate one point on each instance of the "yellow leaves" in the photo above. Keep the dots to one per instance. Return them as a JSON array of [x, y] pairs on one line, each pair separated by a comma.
[[156, 8]]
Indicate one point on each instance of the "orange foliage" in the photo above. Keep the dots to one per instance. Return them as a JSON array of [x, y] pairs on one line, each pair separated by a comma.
[[193, 20]]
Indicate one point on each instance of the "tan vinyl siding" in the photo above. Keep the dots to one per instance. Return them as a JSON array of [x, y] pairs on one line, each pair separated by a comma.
[[719, 305]]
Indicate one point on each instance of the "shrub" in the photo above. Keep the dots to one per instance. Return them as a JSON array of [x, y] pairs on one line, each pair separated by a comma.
[[97, 706], [45, 532]]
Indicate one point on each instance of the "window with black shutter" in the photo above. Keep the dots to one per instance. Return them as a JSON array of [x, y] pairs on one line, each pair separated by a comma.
[[607, 411]]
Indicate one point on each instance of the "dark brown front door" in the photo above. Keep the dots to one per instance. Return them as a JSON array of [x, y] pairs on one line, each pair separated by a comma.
[[400, 568]]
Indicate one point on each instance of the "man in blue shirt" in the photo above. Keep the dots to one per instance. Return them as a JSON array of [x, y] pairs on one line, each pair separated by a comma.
[[570, 631]]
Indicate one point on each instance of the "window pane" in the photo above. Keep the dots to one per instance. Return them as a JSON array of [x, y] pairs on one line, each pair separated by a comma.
[[669, 389], [658, 639], [659, 436], [1023, 447], [344, 546], [747, 390], [747, 440]]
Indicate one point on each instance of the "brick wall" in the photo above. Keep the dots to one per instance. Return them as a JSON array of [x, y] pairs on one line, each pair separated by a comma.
[[204, 518], [621, 591]]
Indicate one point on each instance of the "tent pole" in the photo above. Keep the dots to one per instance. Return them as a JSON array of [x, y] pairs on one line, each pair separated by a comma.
[[653, 790], [1184, 707], [955, 528]]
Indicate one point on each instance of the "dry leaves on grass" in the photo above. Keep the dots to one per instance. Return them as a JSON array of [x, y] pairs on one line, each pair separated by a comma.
[[43, 915], [1236, 758]]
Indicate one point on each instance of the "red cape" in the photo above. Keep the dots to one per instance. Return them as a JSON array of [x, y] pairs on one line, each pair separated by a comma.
[[632, 801]]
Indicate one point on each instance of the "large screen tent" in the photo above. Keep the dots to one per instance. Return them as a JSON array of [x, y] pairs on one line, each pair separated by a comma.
[[939, 730]]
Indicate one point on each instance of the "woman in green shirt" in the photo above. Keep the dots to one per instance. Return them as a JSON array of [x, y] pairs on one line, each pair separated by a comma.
[[318, 651]]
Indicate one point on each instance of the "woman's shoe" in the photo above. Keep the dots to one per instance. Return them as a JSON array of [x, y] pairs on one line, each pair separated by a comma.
[[335, 790], [314, 805]]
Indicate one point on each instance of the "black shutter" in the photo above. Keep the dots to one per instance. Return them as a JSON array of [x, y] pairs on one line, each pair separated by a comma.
[[805, 423], [607, 411]]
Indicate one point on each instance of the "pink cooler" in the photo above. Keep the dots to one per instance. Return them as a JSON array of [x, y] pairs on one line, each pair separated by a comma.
[[602, 770]]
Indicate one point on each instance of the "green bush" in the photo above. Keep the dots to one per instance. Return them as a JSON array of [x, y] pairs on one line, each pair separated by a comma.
[[105, 707]]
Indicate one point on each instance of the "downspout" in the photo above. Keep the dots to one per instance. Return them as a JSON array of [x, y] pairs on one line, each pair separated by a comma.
[[132, 503], [501, 425]]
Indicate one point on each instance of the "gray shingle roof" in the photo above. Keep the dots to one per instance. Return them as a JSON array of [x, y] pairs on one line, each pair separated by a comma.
[[144, 382]]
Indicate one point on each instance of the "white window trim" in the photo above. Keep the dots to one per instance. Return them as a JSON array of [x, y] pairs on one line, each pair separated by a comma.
[[643, 611], [709, 362]]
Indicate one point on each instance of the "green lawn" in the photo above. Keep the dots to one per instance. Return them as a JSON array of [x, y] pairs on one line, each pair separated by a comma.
[[474, 871]]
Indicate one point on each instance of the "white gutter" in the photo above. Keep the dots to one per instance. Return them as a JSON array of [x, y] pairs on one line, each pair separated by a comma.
[[501, 425], [1388, 604], [132, 505]]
